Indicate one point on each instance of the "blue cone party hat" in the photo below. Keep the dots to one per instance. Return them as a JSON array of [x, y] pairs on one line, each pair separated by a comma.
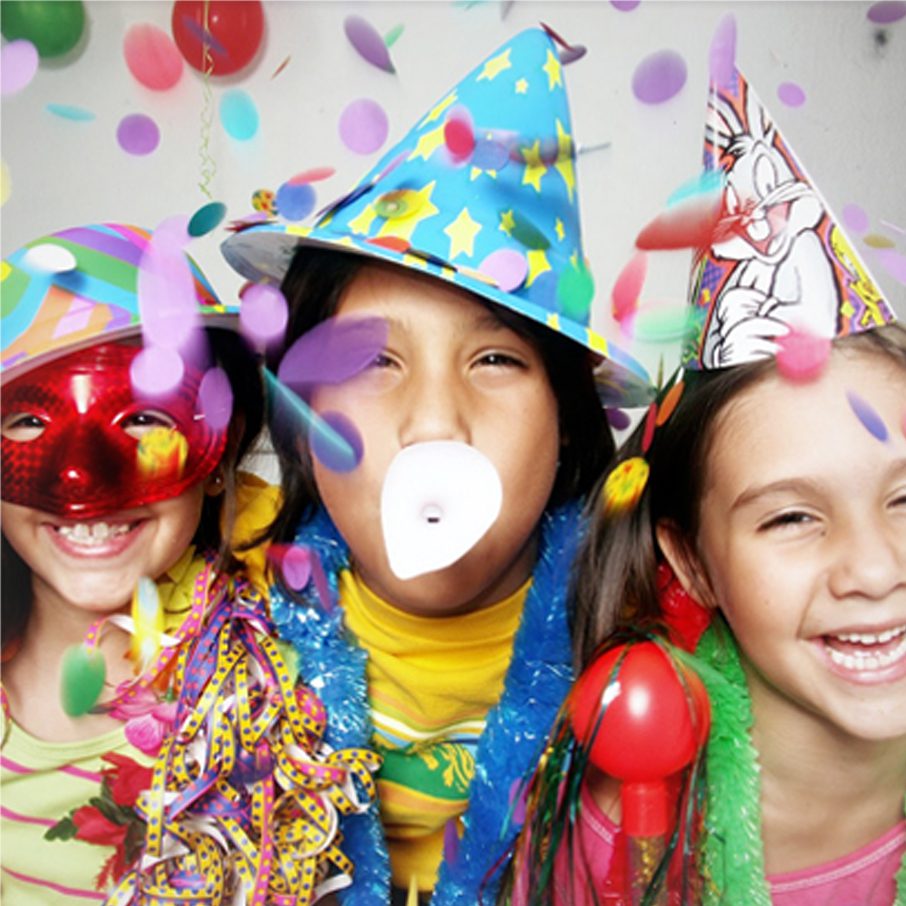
[[778, 260], [481, 193]]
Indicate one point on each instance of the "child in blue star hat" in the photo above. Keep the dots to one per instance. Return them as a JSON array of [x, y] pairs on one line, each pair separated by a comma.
[[439, 320]]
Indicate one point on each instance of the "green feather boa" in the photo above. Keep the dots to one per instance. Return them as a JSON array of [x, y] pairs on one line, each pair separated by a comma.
[[733, 853]]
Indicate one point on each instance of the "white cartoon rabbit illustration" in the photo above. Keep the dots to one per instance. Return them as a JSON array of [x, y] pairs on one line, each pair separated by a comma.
[[783, 277]]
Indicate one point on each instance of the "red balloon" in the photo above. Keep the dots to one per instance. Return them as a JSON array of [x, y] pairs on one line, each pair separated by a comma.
[[643, 722], [231, 29], [653, 720]]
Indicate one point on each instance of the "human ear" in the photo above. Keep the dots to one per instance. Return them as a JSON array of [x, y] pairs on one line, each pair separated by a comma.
[[213, 486], [685, 562]]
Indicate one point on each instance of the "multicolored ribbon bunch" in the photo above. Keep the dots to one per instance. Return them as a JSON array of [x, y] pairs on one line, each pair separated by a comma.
[[245, 797]]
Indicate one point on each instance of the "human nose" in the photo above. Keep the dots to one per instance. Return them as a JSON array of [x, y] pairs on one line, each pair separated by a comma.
[[869, 560], [87, 466], [434, 409]]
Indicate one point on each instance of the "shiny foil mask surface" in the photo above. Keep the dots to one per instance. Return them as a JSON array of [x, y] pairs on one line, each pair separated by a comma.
[[78, 442]]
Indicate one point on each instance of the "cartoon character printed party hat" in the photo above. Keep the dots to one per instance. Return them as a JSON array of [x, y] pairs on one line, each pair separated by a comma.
[[779, 264], [481, 193], [80, 286]]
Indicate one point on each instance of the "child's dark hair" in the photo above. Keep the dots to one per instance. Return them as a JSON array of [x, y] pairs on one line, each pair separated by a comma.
[[314, 287], [230, 352], [617, 563]]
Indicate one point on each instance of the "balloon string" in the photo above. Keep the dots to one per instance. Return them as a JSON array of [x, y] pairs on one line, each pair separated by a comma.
[[208, 164]]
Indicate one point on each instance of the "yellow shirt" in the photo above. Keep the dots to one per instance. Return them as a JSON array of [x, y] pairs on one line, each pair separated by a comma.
[[431, 682]]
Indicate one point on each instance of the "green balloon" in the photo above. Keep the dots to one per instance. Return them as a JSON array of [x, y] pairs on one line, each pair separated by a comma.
[[53, 26]]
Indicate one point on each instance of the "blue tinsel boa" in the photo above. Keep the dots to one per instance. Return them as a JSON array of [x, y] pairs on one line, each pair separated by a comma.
[[537, 680]]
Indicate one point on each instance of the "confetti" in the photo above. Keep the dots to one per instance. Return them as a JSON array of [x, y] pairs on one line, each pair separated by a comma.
[[295, 201], [871, 421], [886, 12], [363, 126], [156, 371], [801, 356], [215, 398], [67, 112], [854, 218], [722, 52], [370, 46], [18, 65], [659, 77], [625, 6], [138, 134], [877, 241], [625, 485], [626, 290], [393, 35], [316, 174], [575, 290], [691, 224], [206, 218], [506, 267], [263, 314], [894, 263], [238, 114], [791, 94], [280, 68]]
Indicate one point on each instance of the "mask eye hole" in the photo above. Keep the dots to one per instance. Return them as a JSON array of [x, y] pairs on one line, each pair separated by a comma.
[[138, 424], [22, 427]]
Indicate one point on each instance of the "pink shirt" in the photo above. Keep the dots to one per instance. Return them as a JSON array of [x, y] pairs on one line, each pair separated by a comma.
[[863, 878]]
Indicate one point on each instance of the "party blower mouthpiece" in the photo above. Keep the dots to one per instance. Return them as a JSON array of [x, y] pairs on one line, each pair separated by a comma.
[[438, 500]]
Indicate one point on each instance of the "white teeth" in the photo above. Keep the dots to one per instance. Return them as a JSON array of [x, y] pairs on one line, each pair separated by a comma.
[[870, 638], [93, 534], [869, 661]]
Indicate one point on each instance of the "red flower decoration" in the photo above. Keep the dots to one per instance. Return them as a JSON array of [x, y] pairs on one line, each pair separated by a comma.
[[126, 779], [93, 827]]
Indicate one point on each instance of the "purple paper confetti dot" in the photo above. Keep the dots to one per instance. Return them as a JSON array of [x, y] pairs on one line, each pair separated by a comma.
[[871, 421], [854, 218], [625, 6], [156, 371], [791, 94], [263, 313], [894, 263], [618, 419], [138, 134], [18, 65], [296, 567], [238, 115], [368, 43], [336, 442], [886, 11], [506, 267], [659, 77], [722, 53], [295, 201], [215, 399], [363, 126], [490, 154]]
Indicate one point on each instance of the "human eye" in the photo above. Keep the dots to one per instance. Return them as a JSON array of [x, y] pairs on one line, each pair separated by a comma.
[[382, 360], [499, 359], [23, 427], [787, 520], [137, 424]]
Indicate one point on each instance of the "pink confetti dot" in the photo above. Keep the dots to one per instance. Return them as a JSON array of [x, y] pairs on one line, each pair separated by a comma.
[[659, 77], [507, 267], [887, 11], [215, 398], [364, 126], [138, 134], [894, 263], [625, 6], [722, 52], [18, 65], [156, 371], [854, 218], [263, 313], [791, 94], [801, 357]]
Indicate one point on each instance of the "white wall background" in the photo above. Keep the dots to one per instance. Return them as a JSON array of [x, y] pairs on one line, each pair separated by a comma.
[[850, 133]]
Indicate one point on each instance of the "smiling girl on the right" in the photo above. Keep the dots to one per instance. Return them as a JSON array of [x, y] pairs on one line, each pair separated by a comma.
[[776, 494]]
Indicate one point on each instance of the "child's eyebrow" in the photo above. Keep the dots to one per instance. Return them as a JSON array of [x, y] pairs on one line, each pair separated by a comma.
[[895, 470]]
